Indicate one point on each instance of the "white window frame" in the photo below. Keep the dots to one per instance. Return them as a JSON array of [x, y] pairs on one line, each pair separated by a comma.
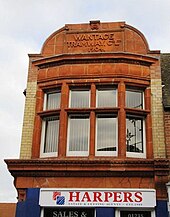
[[105, 88], [81, 89], [107, 153], [42, 212], [45, 102], [77, 153], [45, 99], [118, 210], [143, 97], [48, 154], [137, 154]]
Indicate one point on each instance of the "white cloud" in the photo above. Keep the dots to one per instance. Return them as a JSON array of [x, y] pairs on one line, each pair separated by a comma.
[[25, 25]]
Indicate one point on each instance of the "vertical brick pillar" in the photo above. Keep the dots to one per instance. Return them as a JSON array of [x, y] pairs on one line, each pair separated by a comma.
[[167, 132], [29, 112], [37, 125], [148, 122], [121, 121], [157, 112], [92, 122], [62, 149]]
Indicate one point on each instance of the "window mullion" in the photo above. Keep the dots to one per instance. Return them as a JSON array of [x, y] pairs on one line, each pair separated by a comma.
[[92, 134], [63, 121], [93, 96], [92, 121], [121, 121], [38, 122], [148, 123]]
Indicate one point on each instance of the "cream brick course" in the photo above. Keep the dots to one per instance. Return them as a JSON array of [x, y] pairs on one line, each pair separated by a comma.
[[157, 119], [28, 123]]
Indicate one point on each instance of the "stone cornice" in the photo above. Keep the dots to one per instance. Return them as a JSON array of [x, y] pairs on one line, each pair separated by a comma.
[[92, 168], [86, 58]]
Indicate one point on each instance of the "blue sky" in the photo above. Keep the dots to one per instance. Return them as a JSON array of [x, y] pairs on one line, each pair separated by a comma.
[[25, 25]]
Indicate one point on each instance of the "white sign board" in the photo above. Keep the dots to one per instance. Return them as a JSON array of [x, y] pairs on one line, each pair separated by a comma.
[[97, 197]]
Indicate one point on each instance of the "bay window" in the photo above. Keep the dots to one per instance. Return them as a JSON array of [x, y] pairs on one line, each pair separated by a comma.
[[78, 138], [99, 120], [79, 98], [135, 124], [50, 124], [135, 135], [52, 100], [106, 121], [50, 130], [106, 97], [134, 99], [106, 135], [78, 135]]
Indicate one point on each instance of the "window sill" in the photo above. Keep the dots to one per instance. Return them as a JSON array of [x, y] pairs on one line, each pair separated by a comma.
[[137, 111], [49, 113]]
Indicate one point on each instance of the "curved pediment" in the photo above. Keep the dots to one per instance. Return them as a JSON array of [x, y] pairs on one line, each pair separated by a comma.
[[95, 37]]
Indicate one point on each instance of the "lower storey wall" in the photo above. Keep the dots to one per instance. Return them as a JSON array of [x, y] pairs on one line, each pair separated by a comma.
[[30, 207]]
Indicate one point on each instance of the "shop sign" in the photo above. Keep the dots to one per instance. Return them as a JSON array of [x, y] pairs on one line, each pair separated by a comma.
[[97, 197]]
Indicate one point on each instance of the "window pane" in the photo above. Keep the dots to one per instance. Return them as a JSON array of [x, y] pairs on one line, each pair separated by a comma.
[[106, 134], [106, 98], [79, 98], [136, 213], [78, 134], [134, 99], [53, 100], [69, 212], [134, 135], [51, 135]]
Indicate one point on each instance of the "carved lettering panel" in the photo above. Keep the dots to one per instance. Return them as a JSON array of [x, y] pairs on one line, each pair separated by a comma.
[[94, 42]]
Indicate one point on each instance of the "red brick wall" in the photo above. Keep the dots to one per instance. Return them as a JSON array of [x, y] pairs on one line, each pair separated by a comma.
[[7, 209], [167, 132]]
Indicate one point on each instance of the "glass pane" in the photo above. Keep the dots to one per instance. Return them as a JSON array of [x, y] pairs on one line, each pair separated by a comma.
[[106, 134], [53, 100], [51, 135], [134, 99], [134, 135], [80, 99], [136, 213], [106, 98], [78, 134], [68, 212]]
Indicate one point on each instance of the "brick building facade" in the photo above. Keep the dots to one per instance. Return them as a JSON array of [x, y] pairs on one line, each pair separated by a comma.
[[95, 137]]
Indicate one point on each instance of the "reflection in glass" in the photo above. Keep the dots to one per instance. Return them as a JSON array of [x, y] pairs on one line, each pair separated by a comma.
[[51, 134], [134, 134], [79, 98], [134, 99], [106, 98], [78, 133], [106, 133]]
